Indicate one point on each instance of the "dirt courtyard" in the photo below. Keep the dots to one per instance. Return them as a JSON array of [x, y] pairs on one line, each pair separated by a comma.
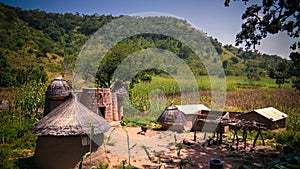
[[161, 148]]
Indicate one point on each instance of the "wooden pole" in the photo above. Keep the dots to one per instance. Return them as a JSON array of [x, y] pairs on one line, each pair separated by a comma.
[[245, 137], [217, 141], [237, 139], [262, 138], [256, 137], [221, 133]]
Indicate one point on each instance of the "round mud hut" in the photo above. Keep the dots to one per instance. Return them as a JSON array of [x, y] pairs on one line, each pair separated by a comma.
[[172, 119], [57, 92], [64, 135], [64, 132]]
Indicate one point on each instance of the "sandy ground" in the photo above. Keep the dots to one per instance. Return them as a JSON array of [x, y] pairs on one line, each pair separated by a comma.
[[164, 153]]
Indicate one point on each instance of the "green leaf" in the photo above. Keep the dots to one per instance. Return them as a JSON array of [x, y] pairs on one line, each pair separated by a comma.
[[86, 155], [133, 146]]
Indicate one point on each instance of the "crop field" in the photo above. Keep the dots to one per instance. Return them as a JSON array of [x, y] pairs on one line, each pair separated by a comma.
[[170, 86], [242, 94]]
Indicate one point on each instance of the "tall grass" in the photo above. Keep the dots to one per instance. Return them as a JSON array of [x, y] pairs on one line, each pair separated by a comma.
[[154, 96], [239, 83], [171, 86]]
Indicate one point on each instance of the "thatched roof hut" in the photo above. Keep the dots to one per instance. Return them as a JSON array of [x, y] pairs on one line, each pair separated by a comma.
[[172, 116], [64, 135]]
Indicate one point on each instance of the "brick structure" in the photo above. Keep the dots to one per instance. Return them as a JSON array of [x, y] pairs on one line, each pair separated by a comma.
[[103, 102]]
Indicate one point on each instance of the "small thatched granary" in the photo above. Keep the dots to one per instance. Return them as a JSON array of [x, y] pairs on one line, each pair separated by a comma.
[[63, 134], [57, 92], [172, 118]]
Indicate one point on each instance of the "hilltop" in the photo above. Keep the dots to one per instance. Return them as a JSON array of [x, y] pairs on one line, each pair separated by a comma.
[[36, 45]]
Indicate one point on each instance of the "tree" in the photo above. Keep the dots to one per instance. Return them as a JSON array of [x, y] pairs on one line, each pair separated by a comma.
[[271, 17], [28, 100], [296, 59]]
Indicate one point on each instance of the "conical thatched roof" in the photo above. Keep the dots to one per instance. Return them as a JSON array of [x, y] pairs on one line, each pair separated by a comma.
[[58, 89], [70, 118], [172, 115]]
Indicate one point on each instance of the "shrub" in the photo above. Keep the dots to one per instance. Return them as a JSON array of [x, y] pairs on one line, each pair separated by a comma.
[[289, 137]]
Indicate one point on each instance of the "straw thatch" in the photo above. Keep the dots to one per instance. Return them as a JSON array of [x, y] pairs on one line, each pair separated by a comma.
[[58, 89], [172, 115], [70, 118]]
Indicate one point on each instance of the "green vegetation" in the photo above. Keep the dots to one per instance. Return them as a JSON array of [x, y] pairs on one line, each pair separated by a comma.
[[138, 121], [16, 139], [34, 38], [48, 43], [167, 91], [271, 17]]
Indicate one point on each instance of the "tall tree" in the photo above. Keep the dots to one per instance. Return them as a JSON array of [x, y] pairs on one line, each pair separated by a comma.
[[271, 17]]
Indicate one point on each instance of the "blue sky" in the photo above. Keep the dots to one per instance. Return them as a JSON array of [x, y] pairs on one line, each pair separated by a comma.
[[210, 16]]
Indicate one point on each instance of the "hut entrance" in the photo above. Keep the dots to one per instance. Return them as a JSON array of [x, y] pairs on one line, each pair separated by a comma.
[[102, 112]]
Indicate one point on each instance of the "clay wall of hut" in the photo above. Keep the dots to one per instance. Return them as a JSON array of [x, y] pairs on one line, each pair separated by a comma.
[[60, 152], [88, 98]]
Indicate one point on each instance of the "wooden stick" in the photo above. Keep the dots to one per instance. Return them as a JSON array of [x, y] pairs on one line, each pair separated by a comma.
[[256, 137], [245, 138], [261, 136], [237, 139]]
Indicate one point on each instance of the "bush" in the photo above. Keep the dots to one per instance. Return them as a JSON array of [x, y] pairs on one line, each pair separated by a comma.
[[289, 137], [5, 162], [269, 135]]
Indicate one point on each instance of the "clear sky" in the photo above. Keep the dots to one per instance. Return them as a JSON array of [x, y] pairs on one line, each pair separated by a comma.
[[210, 16]]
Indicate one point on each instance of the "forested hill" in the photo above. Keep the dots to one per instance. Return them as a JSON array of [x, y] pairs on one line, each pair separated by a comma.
[[36, 45]]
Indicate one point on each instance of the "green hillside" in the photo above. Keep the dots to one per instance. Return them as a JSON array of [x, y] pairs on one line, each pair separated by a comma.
[[36, 45]]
